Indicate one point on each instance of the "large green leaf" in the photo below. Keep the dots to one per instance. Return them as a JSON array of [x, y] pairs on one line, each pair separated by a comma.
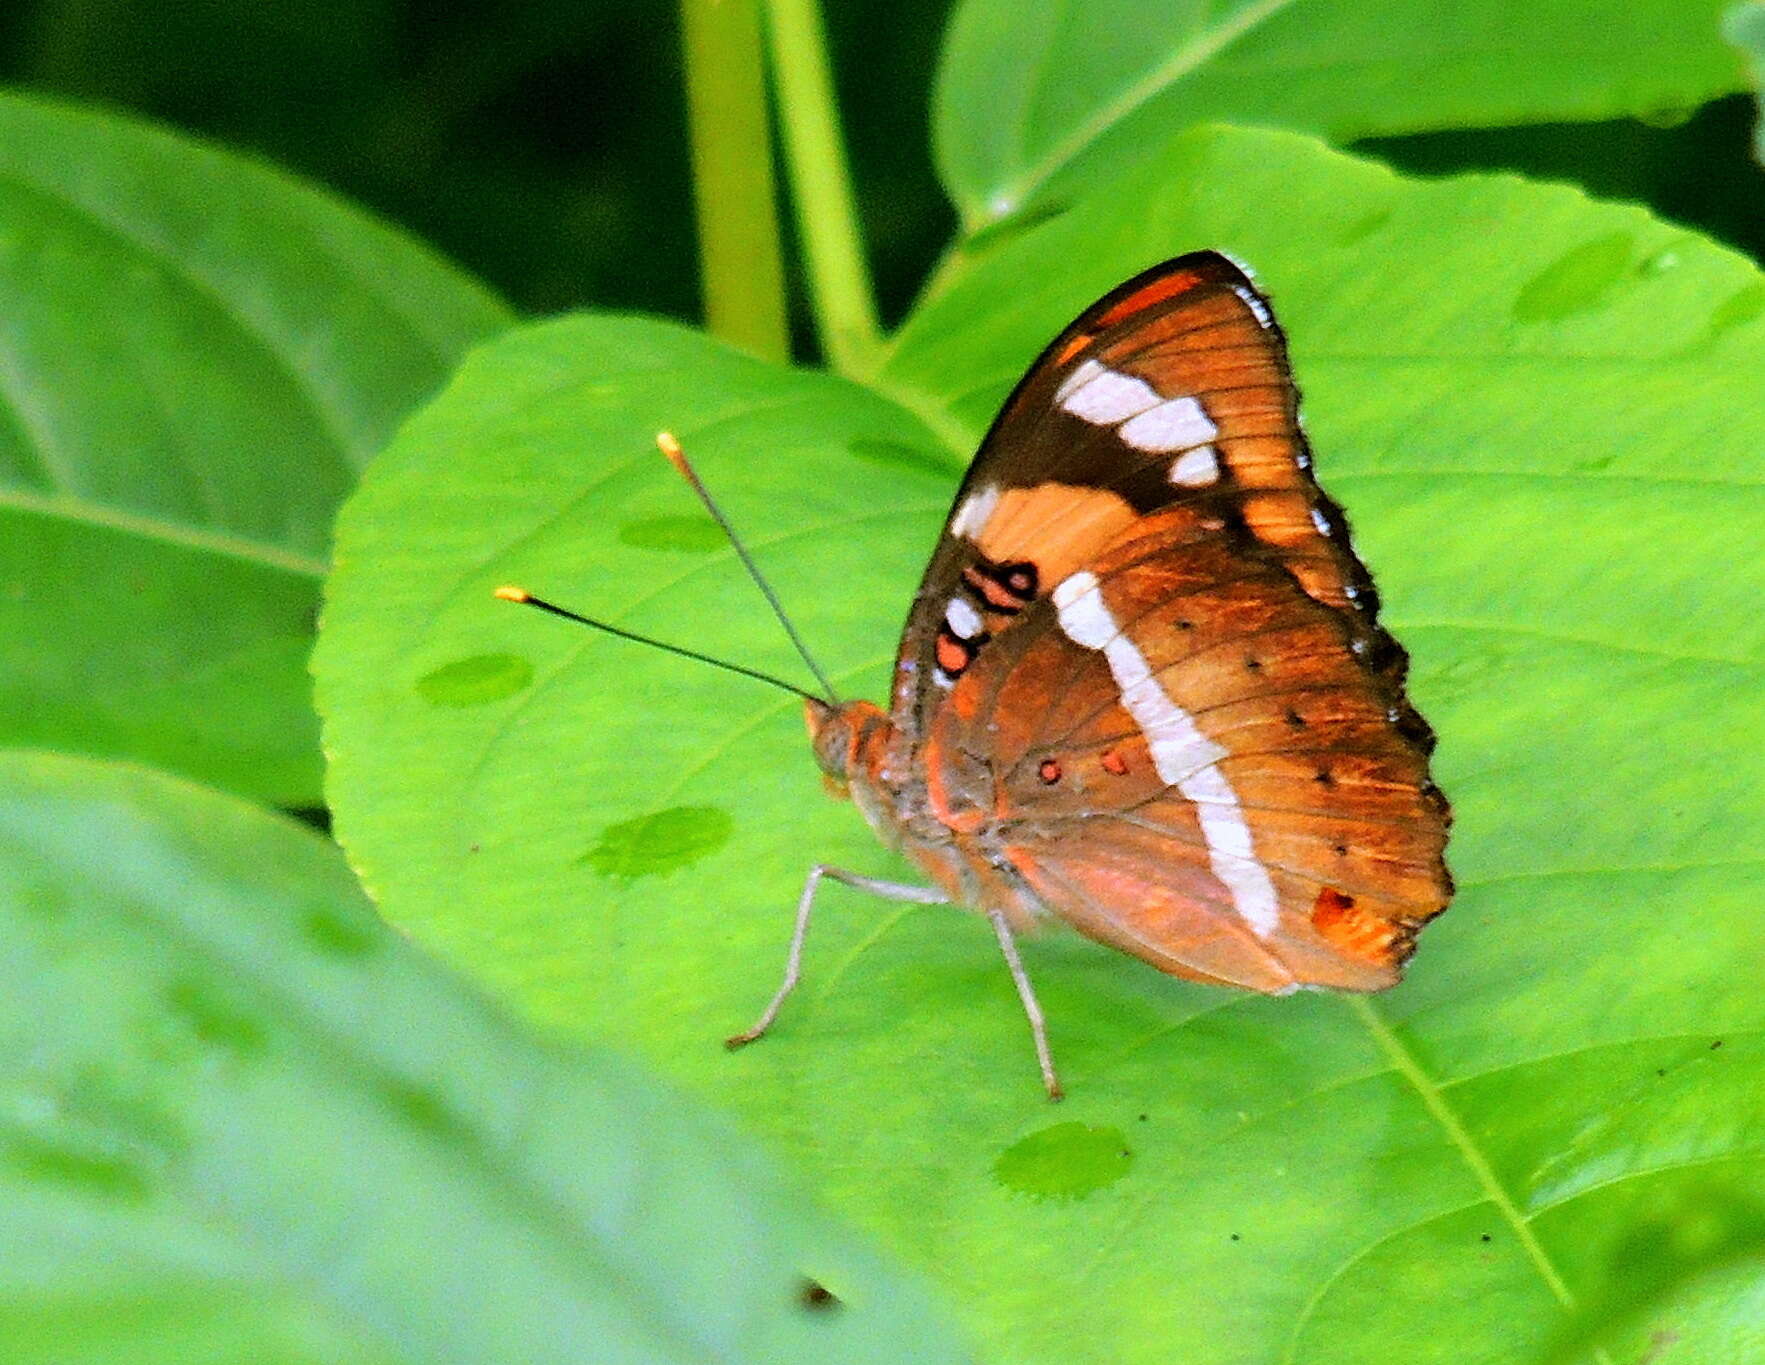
[[197, 355], [1039, 101], [1541, 413], [241, 1120]]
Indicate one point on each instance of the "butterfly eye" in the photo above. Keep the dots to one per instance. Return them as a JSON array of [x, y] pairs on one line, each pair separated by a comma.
[[1049, 771]]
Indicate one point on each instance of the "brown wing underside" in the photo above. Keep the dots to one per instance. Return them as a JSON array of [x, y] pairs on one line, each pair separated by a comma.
[[1335, 798], [1155, 446]]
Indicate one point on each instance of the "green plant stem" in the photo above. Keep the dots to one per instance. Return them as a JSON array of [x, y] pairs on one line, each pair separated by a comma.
[[821, 189], [741, 262]]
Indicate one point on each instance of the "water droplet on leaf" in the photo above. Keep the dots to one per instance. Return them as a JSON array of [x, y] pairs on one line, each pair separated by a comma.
[[1066, 1161], [1738, 309], [662, 842], [684, 535], [476, 681], [1577, 281]]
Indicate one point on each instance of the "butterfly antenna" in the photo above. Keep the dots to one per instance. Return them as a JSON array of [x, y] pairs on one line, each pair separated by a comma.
[[510, 593], [670, 447]]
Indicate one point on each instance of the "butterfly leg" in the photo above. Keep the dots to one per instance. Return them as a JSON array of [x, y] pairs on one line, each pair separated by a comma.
[[1031, 1008], [894, 891]]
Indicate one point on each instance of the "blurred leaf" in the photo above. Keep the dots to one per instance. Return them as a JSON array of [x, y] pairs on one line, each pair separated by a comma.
[[240, 1120], [197, 355], [1745, 28], [1561, 501], [1686, 1281], [1042, 102]]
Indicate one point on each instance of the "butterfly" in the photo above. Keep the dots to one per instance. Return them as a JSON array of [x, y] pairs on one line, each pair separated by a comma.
[[1143, 689]]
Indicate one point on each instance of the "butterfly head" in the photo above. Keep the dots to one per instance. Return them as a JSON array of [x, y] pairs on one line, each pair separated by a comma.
[[839, 734]]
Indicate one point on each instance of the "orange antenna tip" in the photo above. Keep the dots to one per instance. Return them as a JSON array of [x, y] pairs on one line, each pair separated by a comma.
[[510, 593], [670, 447]]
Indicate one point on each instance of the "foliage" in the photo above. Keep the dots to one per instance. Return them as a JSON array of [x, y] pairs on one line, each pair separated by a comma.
[[200, 355], [1487, 1122], [1040, 104], [241, 1119]]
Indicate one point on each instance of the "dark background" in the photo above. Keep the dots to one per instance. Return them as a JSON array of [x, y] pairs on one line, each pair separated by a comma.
[[542, 143]]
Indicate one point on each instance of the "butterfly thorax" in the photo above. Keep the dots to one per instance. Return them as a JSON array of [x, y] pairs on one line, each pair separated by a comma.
[[954, 836]]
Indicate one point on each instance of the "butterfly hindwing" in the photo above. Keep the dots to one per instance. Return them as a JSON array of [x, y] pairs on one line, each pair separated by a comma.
[[1191, 741]]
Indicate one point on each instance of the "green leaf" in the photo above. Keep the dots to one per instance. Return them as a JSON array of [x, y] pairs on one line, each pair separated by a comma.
[[1041, 102], [197, 356], [1744, 26], [1562, 505], [1689, 1273], [241, 1120]]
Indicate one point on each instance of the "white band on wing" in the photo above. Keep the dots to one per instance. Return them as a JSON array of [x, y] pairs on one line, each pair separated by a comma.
[[1184, 757]]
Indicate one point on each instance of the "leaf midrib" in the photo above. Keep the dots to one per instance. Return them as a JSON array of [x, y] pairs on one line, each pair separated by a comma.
[[338, 445], [1409, 1066], [70, 507], [1180, 63]]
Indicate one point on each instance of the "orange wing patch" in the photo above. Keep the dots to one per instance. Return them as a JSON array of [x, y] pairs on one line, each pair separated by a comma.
[[1058, 527], [1073, 347], [1141, 299], [1356, 932]]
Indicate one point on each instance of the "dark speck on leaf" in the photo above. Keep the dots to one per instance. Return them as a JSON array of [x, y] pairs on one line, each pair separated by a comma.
[[817, 1297]]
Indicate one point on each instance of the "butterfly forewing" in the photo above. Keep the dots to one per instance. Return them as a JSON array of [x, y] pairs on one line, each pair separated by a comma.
[[1143, 678]]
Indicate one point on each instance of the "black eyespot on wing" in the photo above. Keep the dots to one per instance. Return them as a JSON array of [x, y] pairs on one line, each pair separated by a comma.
[[1006, 588]]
